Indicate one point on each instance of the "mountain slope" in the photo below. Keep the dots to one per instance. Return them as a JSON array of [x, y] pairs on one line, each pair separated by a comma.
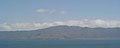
[[63, 32]]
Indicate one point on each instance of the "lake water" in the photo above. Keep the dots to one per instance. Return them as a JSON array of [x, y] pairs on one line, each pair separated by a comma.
[[60, 44]]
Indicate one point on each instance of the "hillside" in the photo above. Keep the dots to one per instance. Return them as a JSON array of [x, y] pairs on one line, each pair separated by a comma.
[[63, 32]]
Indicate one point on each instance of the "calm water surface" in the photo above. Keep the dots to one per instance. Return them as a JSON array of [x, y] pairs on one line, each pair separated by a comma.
[[60, 44]]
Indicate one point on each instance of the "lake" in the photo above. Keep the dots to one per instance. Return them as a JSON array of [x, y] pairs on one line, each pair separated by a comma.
[[60, 44]]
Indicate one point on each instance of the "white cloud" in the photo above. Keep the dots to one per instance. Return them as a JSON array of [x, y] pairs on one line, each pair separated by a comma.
[[63, 12], [41, 11], [46, 11], [51, 11], [81, 23], [95, 23]]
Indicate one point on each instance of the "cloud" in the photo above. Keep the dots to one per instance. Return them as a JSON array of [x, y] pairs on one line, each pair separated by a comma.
[[63, 12], [81, 23], [41, 11], [94, 23], [51, 12], [46, 11]]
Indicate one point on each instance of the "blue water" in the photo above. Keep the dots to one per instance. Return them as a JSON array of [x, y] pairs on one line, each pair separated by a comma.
[[60, 44]]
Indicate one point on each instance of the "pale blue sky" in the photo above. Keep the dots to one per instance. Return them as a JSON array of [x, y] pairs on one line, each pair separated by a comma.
[[15, 11]]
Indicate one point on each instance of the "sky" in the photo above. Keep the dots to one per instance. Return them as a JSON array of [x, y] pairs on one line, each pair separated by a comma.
[[41, 11]]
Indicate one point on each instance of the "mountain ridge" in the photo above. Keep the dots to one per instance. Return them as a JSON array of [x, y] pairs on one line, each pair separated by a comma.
[[62, 32]]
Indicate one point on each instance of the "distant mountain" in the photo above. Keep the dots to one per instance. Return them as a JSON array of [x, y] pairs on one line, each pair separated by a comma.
[[63, 32]]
